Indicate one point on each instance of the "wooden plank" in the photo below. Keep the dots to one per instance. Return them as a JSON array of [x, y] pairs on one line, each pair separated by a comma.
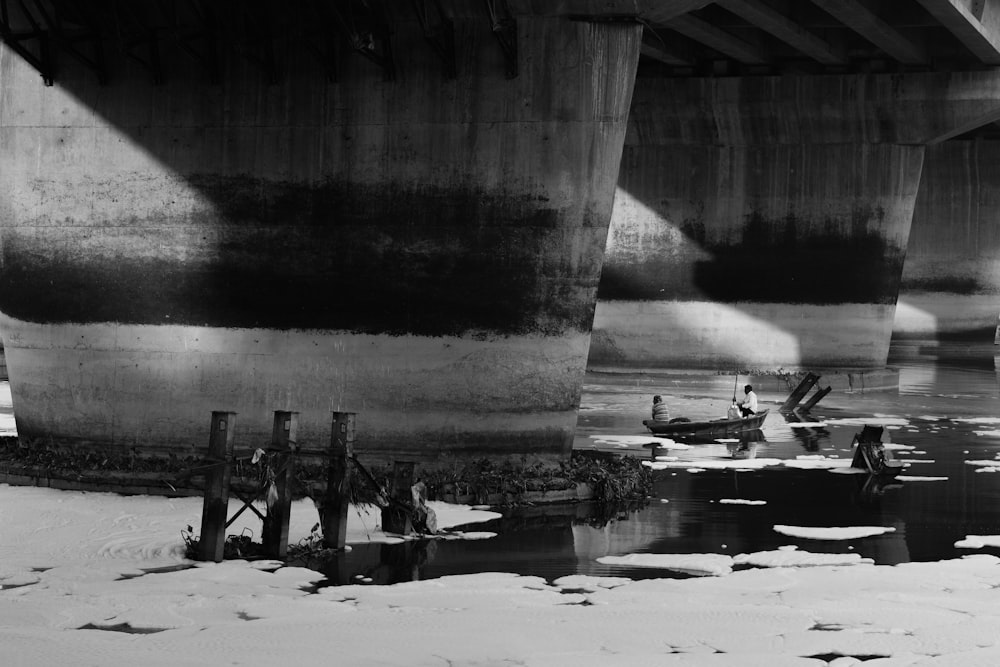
[[336, 501], [815, 398], [279, 507], [212, 540], [800, 391]]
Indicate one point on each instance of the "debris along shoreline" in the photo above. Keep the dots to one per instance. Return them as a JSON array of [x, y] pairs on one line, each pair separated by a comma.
[[586, 476]]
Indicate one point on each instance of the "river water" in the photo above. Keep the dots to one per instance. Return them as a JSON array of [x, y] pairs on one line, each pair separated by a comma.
[[947, 411]]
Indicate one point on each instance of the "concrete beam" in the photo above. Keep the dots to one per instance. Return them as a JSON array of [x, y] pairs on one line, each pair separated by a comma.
[[659, 12], [861, 20], [773, 22], [914, 109], [975, 24], [720, 40], [654, 47]]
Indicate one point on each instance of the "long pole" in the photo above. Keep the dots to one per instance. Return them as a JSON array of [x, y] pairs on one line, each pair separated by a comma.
[[735, 382]]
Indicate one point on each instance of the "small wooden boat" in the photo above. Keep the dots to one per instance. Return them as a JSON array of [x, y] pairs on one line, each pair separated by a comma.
[[871, 455], [711, 427]]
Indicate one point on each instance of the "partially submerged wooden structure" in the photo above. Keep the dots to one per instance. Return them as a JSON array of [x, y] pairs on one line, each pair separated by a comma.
[[281, 454], [792, 402], [404, 507]]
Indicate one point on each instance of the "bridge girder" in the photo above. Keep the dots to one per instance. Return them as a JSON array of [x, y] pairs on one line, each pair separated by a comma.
[[683, 37]]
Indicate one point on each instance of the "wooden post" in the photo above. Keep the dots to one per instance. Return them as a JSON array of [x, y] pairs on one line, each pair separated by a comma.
[[814, 399], [279, 512], [804, 386], [215, 509], [395, 519], [333, 515]]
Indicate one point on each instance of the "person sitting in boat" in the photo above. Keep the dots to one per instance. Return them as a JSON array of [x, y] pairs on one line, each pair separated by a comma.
[[748, 406], [660, 410]]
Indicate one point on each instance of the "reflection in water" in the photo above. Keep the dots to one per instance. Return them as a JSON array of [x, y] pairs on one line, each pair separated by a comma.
[[743, 449], [871, 488], [947, 410]]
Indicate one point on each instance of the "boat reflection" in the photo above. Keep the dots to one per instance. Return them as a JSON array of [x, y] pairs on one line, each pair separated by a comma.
[[871, 488], [742, 450]]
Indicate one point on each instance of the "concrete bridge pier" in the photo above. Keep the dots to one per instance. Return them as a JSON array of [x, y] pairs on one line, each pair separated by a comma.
[[951, 279], [420, 249], [763, 223]]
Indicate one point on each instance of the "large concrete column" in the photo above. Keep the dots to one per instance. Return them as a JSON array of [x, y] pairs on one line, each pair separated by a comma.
[[424, 252], [951, 279], [763, 223]]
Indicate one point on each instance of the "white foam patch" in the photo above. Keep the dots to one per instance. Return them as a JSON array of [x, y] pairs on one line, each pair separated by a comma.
[[741, 501], [978, 420], [849, 471], [469, 535], [875, 420], [918, 478], [978, 541], [816, 463], [700, 564], [991, 434], [896, 445], [714, 464], [589, 583], [637, 441], [790, 556], [833, 533], [982, 462], [805, 424], [235, 612]]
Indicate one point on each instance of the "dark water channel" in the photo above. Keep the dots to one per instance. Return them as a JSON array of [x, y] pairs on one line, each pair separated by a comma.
[[947, 409]]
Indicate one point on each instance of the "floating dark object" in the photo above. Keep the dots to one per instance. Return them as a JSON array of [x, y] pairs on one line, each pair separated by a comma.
[[870, 453]]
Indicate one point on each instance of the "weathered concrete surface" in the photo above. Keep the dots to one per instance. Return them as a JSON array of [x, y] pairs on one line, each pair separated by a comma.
[[424, 252], [951, 278], [763, 223]]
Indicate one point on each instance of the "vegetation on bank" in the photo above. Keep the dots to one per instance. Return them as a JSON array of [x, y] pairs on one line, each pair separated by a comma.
[[609, 477]]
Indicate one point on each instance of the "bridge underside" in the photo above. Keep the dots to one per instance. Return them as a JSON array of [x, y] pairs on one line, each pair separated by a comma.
[[404, 214]]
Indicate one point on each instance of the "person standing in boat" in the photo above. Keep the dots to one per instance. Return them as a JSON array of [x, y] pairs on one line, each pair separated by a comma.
[[660, 410], [748, 406]]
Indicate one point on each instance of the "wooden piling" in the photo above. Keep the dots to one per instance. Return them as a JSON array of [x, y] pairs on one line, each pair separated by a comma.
[[395, 518], [215, 509], [800, 391], [336, 501], [279, 508]]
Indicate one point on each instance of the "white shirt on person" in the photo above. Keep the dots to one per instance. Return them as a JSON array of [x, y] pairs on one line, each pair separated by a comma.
[[750, 402]]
